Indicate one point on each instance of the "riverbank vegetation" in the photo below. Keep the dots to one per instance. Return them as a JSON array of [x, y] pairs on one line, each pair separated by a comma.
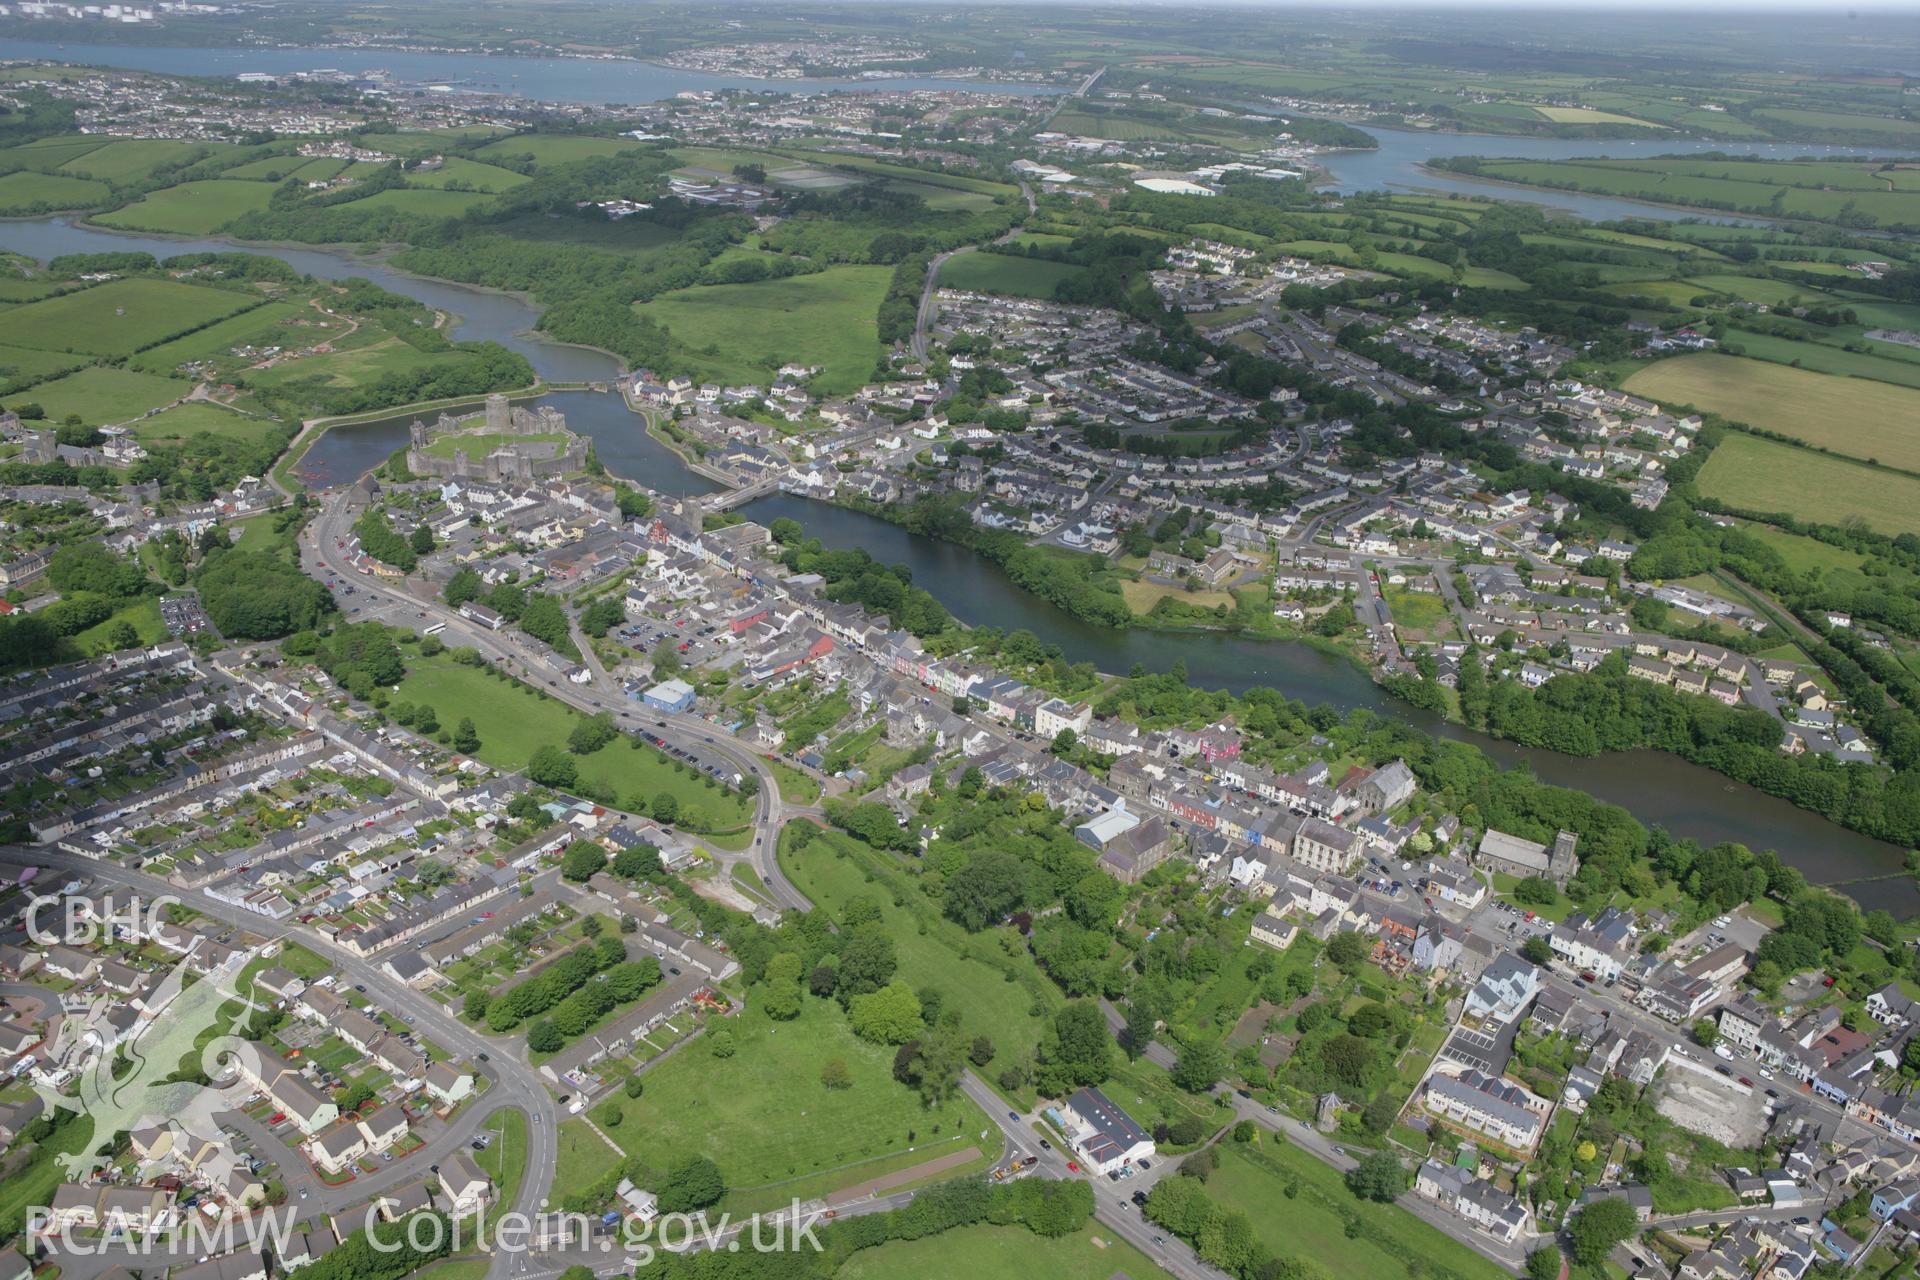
[[210, 359], [1848, 193]]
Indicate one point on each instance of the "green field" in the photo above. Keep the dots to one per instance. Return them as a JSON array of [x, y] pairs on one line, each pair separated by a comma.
[[260, 327], [192, 208], [424, 202], [104, 396], [132, 159], [480, 443], [117, 318], [826, 319], [940, 955], [23, 366], [53, 151], [1764, 475], [1854, 416], [1491, 278], [281, 167], [470, 173], [1785, 190], [143, 613], [551, 149], [24, 192], [198, 417], [355, 366], [513, 721], [763, 1116], [1421, 613], [1001, 273], [1003, 1253], [505, 1160], [1392, 1244], [1825, 359]]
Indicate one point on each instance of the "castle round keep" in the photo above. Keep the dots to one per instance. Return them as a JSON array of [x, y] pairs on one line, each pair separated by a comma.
[[530, 458]]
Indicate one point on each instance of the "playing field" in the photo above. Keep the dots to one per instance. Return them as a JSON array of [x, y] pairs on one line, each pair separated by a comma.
[[192, 208], [25, 192], [1003, 1253], [1854, 416], [827, 319], [1764, 475], [117, 318], [763, 1116], [513, 721], [1000, 273], [103, 395]]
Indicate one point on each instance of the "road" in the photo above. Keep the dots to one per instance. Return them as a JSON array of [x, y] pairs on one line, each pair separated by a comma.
[[511, 1082], [418, 607]]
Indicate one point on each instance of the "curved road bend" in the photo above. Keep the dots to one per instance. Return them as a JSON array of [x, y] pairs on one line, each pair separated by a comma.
[[512, 1082]]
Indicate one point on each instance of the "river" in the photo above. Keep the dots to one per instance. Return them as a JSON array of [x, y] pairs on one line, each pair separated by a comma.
[[1658, 788], [1398, 166], [593, 81]]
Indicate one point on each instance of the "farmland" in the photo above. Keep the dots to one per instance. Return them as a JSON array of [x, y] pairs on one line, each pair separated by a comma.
[[1001, 273], [23, 366], [262, 326], [1894, 367], [553, 149], [104, 395], [424, 202], [192, 208], [117, 318], [826, 319], [1587, 115], [1862, 419], [25, 192], [1855, 191], [1763, 475], [470, 173], [130, 159]]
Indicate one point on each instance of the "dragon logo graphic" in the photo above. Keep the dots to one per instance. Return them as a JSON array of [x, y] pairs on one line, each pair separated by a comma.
[[132, 1080]]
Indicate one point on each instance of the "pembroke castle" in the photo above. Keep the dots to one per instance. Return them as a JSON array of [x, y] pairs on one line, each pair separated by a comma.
[[522, 460]]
